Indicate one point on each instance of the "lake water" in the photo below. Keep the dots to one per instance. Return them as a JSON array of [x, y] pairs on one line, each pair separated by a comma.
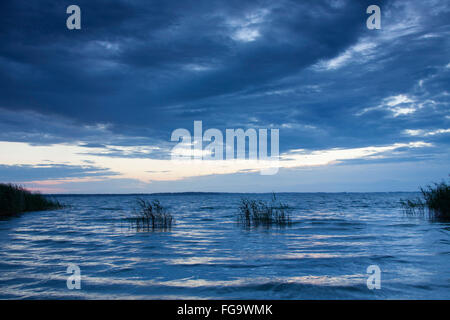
[[208, 255]]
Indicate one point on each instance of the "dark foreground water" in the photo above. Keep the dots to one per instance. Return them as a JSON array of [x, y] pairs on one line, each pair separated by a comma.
[[323, 255]]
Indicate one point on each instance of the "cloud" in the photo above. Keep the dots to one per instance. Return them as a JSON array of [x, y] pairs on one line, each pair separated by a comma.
[[44, 172], [362, 52], [137, 70], [25, 163], [425, 133], [399, 105]]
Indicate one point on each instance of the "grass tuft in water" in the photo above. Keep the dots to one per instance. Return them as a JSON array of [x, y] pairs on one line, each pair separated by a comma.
[[258, 212], [435, 202], [15, 199], [151, 215]]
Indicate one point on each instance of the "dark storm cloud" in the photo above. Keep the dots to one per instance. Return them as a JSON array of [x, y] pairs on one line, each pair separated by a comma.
[[127, 60], [146, 68]]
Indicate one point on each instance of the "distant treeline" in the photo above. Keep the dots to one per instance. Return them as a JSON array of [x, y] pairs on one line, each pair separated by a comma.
[[16, 199]]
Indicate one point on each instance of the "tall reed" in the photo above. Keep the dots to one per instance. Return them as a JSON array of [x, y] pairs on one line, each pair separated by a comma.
[[435, 202], [152, 215], [15, 199], [258, 212]]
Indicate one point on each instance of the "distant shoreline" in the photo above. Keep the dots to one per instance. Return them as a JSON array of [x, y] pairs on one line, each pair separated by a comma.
[[212, 193]]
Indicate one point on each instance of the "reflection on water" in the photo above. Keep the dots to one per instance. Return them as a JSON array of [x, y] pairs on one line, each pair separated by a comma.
[[323, 255]]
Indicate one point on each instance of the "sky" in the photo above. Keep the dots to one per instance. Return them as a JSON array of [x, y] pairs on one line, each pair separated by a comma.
[[93, 110]]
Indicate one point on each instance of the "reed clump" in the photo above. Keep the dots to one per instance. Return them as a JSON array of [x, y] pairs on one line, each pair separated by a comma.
[[152, 215], [435, 202], [15, 199], [258, 212]]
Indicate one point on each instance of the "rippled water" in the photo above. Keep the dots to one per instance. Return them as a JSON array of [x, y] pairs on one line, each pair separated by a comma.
[[323, 255]]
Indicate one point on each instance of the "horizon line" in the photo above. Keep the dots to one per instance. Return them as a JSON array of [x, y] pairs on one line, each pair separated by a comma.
[[215, 193]]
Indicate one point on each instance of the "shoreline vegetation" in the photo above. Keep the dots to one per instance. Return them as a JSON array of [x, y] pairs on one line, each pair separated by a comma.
[[258, 212], [15, 199], [151, 215], [435, 202]]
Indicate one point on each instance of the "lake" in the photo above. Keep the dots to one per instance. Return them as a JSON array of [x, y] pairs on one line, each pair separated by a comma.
[[207, 254]]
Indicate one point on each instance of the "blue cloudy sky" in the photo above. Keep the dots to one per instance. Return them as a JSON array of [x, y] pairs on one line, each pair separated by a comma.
[[92, 110]]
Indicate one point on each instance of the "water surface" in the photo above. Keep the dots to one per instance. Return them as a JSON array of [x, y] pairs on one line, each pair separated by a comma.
[[207, 255]]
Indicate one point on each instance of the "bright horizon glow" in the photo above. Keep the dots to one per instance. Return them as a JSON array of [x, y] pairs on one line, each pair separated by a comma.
[[150, 170]]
